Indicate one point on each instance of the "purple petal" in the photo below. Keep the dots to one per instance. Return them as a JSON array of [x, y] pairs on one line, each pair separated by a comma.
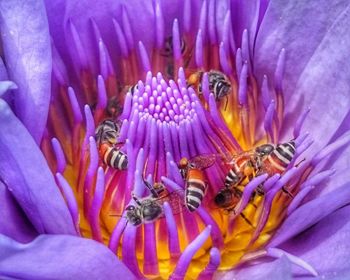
[[325, 246], [275, 270], [59, 257], [310, 213], [27, 51], [13, 221], [308, 74], [24, 171]]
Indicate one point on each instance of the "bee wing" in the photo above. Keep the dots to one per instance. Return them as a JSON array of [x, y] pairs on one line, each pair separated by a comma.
[[204, 161], [245, 154], [175, 200]]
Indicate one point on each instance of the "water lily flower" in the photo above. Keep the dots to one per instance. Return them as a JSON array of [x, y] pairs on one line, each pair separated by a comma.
[[148, 66]]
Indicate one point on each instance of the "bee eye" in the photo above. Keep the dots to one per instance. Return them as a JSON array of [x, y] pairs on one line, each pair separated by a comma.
[[130, 207]]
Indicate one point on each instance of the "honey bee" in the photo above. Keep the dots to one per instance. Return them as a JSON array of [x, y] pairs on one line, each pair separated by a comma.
[[149, 209], [219, 84], [106, 135], [228, 198], [196, 185], [268, 158], [168, 51], [114, 107]]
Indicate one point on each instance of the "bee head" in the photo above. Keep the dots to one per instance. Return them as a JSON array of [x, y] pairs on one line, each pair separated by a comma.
[[183, 163], [132, 215]]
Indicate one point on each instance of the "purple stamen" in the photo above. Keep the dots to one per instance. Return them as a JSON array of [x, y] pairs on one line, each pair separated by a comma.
[[78, 117], [188, 253], [248, 191], [127, 106], [205, 86], [279, 72], [101, 93], [121, 39], [299, 123], [239, 63], [199, 49], [187, 16], [332, 148], [123, 131], [150, 261], [129, 249], [224, 62], [212, 21], [127, 28], [105, 60], [90, 174], [94, 212], [212, 266], [79, 54], [90, 125], [58, 67], [270, 182], [183, 140], [216, 235], [301, 138], [278, 253], [159, 25], [242, 89], [174, 245], [203, 20], [182, 79], [176, 41], [60, 157], [153, 154], [68, 194], [226, 32], [265, 93], [268, 201], [220, 123], [146, 65], [268, 120], [116, 234], [245, 49]]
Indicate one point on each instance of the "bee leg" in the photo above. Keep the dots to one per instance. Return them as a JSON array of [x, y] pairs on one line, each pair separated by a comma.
[[246, 220], [151, 189], [287, 192], [136, 199], [226, 102]]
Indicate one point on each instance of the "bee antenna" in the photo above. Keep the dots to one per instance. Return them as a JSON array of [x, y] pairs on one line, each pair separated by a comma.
[[226, 102]]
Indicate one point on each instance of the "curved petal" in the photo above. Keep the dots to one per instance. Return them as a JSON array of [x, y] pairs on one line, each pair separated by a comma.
[[23, 169], [60, 257], [310, 213], [325, 246], [275, 270], [27, 52], [13, 221], [310, 77]]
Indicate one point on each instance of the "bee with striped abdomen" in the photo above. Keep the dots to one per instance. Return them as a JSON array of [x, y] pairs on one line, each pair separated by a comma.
[[196, 185], [267, 158], [219, 84], [106, 135]]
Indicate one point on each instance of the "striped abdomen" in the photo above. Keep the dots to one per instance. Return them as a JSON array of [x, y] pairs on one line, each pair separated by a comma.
[[235, 175], [280, 158], [195, 189], [113, 157]]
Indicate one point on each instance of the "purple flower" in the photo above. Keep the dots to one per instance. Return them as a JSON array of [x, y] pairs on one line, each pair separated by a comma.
[[68, 65]]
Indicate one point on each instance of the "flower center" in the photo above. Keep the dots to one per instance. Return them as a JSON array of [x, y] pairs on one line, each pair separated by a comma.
[[156, 183]]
